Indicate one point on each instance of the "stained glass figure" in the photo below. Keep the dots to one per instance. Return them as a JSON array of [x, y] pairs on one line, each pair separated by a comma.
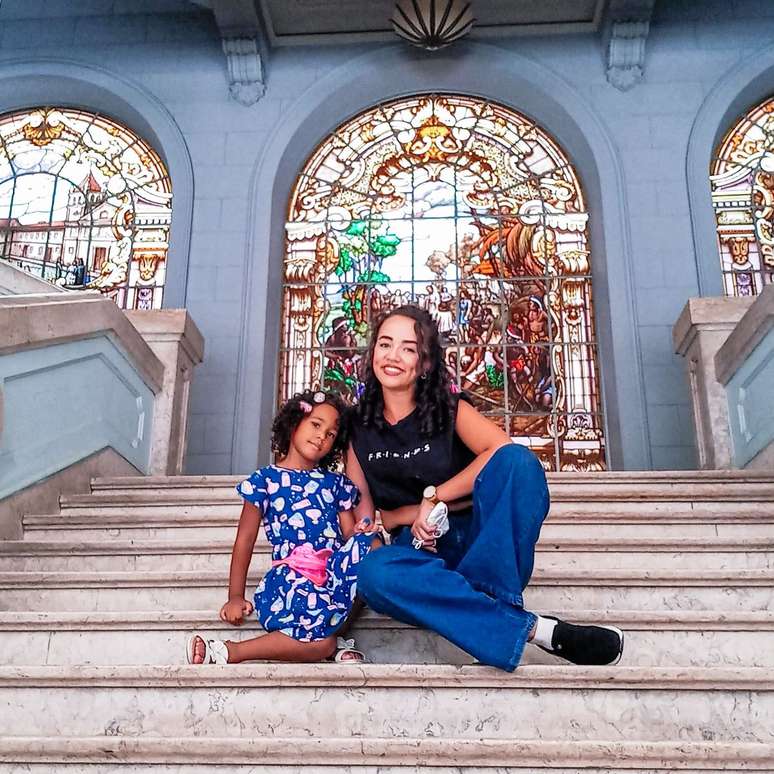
[[470, 210], [84, 203], [742, 179]]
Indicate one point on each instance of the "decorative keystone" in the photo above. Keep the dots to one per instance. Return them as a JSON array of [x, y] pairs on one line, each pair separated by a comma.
[[626, 53], [245, 69]]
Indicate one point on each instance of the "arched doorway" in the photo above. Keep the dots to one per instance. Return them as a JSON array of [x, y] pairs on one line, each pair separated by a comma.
[[470, 209]]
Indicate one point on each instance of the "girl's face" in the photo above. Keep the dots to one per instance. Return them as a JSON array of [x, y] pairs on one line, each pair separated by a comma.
[[396, 362], [315, 434]]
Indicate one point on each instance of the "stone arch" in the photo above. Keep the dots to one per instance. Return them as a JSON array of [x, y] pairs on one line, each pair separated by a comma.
[[478, 70], [472, 211], [33, 83], [745, 85]]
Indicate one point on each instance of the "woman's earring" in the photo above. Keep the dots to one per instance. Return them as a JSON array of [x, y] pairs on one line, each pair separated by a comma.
[[424, 375]]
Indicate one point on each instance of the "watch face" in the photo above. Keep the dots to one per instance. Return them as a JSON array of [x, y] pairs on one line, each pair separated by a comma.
[[429, 492]]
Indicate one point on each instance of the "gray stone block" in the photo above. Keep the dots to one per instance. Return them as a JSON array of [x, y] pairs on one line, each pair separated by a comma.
[[664, 384]]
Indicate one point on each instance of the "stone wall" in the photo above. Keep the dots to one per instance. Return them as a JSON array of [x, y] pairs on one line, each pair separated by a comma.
[[170, 61]]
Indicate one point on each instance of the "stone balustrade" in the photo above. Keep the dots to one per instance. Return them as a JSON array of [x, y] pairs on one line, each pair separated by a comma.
[[14, 281], [728, 344], [85, 390]]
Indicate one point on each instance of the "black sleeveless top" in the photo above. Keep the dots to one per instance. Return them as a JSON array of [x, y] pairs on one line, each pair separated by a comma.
[[398, 463]]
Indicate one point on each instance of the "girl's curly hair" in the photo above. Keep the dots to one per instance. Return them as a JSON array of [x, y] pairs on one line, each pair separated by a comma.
[[432, 391], [290, 415]]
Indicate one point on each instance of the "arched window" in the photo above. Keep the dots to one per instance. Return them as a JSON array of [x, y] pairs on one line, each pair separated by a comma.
[[93, 195], [742, 179], [470, 210]]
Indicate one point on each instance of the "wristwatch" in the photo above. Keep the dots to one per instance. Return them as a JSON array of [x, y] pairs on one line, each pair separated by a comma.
[[431, 493]]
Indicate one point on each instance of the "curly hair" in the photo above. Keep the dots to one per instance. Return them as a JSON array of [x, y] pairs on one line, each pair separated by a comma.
[[290, 415], [432, 391]]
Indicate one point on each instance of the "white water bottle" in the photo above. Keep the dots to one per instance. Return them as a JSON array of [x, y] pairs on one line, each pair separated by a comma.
[[439, 518]]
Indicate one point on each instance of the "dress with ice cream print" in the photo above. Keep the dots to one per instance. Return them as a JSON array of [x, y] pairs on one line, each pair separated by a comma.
[[302, 507]]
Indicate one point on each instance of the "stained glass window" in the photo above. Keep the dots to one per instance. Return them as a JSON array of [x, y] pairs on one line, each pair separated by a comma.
[[742, 179], [470, 210], [84, 203]]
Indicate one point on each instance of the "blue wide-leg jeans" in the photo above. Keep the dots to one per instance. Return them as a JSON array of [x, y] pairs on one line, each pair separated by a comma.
[[470, 592]]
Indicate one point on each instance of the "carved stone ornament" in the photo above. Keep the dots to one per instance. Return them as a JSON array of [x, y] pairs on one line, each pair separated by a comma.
[[245, 69], [626, 53]]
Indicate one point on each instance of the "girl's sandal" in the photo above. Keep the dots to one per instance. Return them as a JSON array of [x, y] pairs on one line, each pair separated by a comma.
[[346, 653], [215, 651]]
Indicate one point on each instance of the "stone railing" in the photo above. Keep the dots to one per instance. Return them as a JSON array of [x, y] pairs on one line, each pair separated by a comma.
[[86, 389], [14, 281], [728, 344]]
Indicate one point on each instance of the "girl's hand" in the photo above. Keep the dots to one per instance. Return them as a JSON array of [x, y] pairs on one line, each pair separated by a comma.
[[234, 610], [422, 530], [404, 516], [365, 525]]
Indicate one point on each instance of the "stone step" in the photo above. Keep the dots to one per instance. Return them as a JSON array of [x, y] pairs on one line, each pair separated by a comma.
[[578, 553], [373, 755], [618, 704], [678, 502], [602, 589], [672, 497], [685, 638], [190, 523], [714, 483], [606, 477]]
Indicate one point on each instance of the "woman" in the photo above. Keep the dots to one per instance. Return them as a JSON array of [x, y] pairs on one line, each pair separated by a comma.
[[414, 444]]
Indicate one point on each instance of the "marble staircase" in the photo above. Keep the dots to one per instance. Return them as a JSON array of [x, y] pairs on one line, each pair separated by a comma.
[[96, 602]]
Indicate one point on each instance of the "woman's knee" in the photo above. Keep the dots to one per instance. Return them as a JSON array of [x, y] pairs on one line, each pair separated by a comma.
[[514, 456]]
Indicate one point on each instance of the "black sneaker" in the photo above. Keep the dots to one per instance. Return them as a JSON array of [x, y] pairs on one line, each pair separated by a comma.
[[587, 645]]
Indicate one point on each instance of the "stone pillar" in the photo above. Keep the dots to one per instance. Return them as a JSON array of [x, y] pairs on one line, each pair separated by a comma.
[[744, 365], [698, 334], [178, 343]]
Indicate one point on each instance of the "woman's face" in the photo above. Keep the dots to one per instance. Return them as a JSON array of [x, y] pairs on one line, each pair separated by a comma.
[[396, 354]]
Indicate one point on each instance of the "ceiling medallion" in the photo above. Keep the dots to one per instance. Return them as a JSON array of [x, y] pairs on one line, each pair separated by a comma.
[[432, 24]]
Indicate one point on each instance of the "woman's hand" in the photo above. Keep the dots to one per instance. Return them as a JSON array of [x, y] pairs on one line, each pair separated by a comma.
[[423, 531], [234, 610]]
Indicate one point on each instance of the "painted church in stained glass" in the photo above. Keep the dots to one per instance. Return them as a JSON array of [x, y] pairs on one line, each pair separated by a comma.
[[84, 203]]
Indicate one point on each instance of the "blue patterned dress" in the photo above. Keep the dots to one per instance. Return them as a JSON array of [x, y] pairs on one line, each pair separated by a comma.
[[302, 506]]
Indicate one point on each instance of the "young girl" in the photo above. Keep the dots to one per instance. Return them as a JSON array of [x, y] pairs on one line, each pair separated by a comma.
[[306, 508]]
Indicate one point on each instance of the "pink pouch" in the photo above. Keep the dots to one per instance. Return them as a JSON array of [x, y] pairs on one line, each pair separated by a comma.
[[308, 562]]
